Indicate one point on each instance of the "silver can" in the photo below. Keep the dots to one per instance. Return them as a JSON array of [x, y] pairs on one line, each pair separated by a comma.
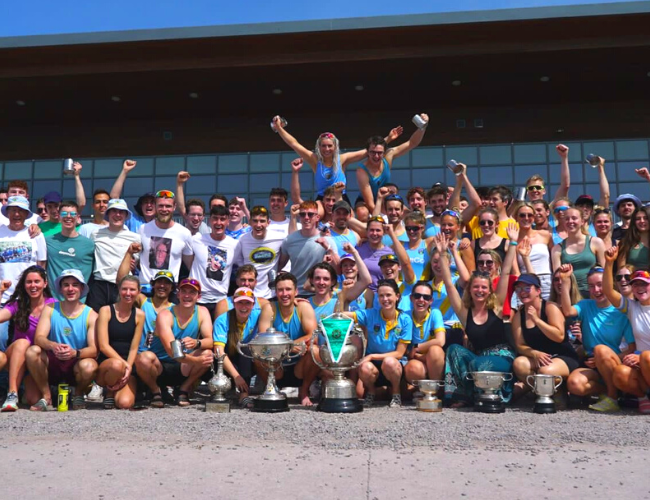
[[593, 160], [454, 167], [67, 166], [283, 121], [521, 194], [419, 122], [177, 349]]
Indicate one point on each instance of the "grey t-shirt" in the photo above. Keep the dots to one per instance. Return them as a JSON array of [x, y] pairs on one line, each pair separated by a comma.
[[304, 253]]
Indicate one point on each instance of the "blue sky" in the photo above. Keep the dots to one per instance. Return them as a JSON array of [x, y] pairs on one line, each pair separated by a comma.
[[38, 17]]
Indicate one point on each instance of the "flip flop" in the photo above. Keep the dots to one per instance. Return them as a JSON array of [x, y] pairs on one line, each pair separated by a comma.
[[109, 403], [40, 405], [246, 402], [183, 398], [157, 400], [78, 403]]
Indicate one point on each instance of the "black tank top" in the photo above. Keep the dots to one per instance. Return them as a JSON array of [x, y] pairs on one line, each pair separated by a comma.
[[535, 338], [120, 335], [489, 334], [500, 250]]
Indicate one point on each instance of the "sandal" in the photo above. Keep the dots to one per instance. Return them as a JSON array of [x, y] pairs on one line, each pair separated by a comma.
[[157, 400], [109, 403], [246, 402], [40, 405], [183, 398], [78, 403]]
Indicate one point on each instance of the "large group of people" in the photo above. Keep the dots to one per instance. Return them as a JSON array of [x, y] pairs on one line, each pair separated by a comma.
[[445, 281]]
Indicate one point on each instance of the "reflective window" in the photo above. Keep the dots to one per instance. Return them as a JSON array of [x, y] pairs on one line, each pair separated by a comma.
[[106, 184], [427, 157], [39, 188], [576, 170], [639, 189], [164, 183], [201, 165], [169, 165], [68, 190], [53, 170], [625, 170], [230, 164], [495, 155], [137, 186], [604, 149], [496, 175], [426, 177], [632, 150], [575, 152], [263, 183], [144, 167], [286, 159], [267, 162], [21, 170], [109, 167], [200, 184], [237, 184], [525, 172], [403, 161], [462, 154], [402, 178], [530, 153]]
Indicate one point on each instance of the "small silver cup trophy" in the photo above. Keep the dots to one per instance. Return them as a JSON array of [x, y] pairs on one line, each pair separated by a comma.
[[177, 349], [489, 401], [219, 385], [429, 401], [270, 349], [68, 169], [344, 345], [544, 386]]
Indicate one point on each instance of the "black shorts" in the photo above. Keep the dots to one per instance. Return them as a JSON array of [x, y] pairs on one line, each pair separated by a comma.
[[289, 378], [101, 293], [172, 375], [572, 363], [381, 379]]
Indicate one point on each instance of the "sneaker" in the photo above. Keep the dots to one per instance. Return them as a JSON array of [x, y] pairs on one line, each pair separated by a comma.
[[605, 405], [96, 394], [369, 400], [11, 403], [644, 406], [395, 401]]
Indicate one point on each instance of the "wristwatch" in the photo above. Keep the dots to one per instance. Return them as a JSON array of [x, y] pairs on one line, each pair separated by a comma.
[[78, 355], [198, 344]]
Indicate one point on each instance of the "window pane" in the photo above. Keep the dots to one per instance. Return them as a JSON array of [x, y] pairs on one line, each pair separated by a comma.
[[19, 170], [625, 171], [42, 187], [263, 183], [524, 172], [137, 186], [267, 162], [201, 164], [402, 161], [426, 177], [639, 189], [286, 159], [164, 183], [233, 164], [575, 152], [496, 175], [68, 192], [466, 155], [427, 157], [495, 155], [53, 170], [200, 184], [170, 165], [87, 169], [604, 149], [106, 184], [402, 178], [144, 167], [109, 167], [234, 184], [576, 170], [530, 153], [632, 150]]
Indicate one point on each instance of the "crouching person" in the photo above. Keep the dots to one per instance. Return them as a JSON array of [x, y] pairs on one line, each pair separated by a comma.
[[192, 326], [64, 347]]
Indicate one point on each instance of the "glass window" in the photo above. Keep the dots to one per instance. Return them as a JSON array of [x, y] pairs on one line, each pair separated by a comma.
[[137, 186], [639, 189], [53, 170], [466, 155], [306, 182], [169, 165], [426, 177], [530, 153], [237, 184], [106, 184], [233, 164], [427, 157], [265, 162], [41, 187], [201, 164], [164, 183], [402, 178], [200, 184], [262, 183], [495, 155], [575, 152], [625, 170], [524, 172], [68, 192], [496, 175], [19, 170], [143, 168], [286, 159], [87, 165], [403, 161], [631, 150], [604, 149], [576, 170], [109, 167], [351, 182]]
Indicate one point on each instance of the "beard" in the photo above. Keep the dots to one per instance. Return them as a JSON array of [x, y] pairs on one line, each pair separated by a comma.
[[163, 218]]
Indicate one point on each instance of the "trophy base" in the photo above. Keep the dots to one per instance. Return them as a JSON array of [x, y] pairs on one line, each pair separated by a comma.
[[489, 406], [428, 404], [544, 408], [270, 405], [337, 405], [217, 406]]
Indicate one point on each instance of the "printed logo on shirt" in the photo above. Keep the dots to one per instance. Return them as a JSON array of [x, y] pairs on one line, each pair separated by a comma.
[[67, 331], [376, 328], [262, 255], [15, 251], [217, 261], [69, 253]]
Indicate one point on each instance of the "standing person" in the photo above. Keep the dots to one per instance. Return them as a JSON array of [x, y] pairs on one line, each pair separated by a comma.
[[237, 210], [603, 225], [533, 253], [145, 206], [634, 247], [560, 207], [20, 188], [111, 243], [164, 242], [24, 307], [394, 206], [417, 248], [480, 312], [41, 211], [278, 201], [193, 212], [64, 348], [191, 325], [306, 247], [261, 248], [624, 206], [373, 249], [581, 251], [298, 321], [437, 202], [100, 206], [450, 226], [535, 186], [488, 221], [212, 260], [18, 250], [542, 213], [119, 333], [326, 161]]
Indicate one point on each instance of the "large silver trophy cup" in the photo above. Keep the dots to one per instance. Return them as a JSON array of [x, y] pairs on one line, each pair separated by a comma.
[[342, 344], [219, 385], [429, 401], [544, 386], [270, 349], [489, 401]]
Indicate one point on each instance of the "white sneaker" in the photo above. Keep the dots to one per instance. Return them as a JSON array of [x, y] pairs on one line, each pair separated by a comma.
[[96, 394]]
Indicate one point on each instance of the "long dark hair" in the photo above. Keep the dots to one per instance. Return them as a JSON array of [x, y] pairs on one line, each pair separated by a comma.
[[21, 297], [632, 236], [233, 333]]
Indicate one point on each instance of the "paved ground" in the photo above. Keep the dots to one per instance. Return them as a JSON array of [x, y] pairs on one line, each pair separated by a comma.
[[380, 453]]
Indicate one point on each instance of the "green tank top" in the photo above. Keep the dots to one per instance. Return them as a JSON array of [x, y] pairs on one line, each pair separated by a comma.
[[581, 263], [638, 257]]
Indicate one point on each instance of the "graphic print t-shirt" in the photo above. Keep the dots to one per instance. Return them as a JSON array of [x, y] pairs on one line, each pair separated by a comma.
[[263, 255], [162, 249], [17, 252], [212, 265]]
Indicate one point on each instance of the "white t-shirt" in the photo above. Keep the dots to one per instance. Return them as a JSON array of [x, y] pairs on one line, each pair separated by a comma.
[[110, 248], [639, 317], [17, 252], [283, 228], [90, 228], [263, 255], [162, 249], [212, 265], [34, 219]]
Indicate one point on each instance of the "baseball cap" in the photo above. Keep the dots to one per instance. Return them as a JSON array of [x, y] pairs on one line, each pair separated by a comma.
[[243, 293], [72, 273], [641, 275], [138, 204], [347, 256], [52, 197], [190, 282], [16, 201], [388, 258], [163, 274], [584, 199], [117, 204], [528, 279], [342, 204]]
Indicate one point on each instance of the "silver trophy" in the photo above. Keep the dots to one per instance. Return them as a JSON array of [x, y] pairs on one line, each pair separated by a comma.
[[344, 346], [177, 349], [544, 386], [270, 349], [429, 401], [488, 401], [68, 169], [593, 160], [219, 385]]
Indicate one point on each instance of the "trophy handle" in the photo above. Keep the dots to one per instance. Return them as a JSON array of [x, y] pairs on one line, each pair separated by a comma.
[[365, 346], [507, 377], [313, 356], [560, 382], [532, 386], [303, 349], [469, 376], [239, 346]]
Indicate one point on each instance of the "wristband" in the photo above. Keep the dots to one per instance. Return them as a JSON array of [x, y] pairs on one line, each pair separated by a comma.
[[78, 355], [198, 344], [513, 243]]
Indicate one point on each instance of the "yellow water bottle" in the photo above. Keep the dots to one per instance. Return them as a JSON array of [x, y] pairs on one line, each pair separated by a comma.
[[64, 393]]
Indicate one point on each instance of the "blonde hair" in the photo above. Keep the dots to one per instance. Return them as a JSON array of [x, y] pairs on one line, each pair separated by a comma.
[[336, 163], [491, 301]]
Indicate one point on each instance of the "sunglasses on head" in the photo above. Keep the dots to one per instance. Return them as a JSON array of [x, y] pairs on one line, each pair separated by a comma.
[[244, 293], [453, 213], [481, 274], [535, 188], [595, 269], [377, 218], [601, 211], [165, 193], [485, 222], [189, 281], [423, 296], [392, 197], [557, 210]]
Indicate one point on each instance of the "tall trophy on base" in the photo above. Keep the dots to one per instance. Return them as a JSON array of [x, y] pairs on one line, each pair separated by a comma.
[[430, 401], [219, 385], [270, 349], [343, 346], [489, 401], [544, 386]]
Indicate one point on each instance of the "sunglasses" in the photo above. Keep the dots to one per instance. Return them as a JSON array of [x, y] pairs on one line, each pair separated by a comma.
[[413, 229], [244, 293], [621, 277], [377, 218], [524, 289], [488, 223], [165, 193], [259, 208], [526, 216], [327, 135], [485, 263], [535, 188], [190, 282], [423, 296], [65, 214], [308, 214], [481, 274], [41, 210], [164, 274], [557, 210]]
